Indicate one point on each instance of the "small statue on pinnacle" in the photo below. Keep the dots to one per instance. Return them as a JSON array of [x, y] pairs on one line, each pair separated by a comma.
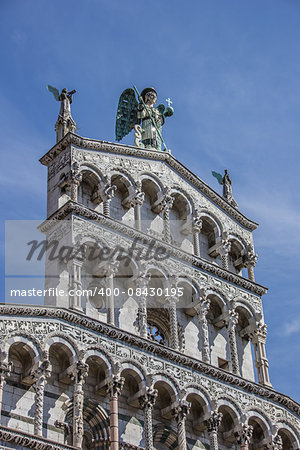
[[227, 189], [65, 121], [131, 113]]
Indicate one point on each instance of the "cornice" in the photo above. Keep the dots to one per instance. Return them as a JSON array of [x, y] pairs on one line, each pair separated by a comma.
[[145, 345], [92, 144], [23, 439], [75, 208]]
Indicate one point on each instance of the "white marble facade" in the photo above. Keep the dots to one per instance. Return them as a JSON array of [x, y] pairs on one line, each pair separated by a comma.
[[115, 367]]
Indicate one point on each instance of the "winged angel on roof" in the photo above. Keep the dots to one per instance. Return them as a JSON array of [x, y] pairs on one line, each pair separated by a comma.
[[142, 115]]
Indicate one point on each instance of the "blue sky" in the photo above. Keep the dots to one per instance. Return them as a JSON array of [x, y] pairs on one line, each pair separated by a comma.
[[232, 70]]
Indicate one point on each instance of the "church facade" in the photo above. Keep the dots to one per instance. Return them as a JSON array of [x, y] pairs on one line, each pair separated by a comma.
[[152, 335]]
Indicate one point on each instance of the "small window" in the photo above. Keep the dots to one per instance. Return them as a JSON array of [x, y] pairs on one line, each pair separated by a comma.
[[223, 364], [155, 334]]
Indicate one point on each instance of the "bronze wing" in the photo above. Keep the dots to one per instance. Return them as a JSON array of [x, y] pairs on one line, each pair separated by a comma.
[[126, 114]]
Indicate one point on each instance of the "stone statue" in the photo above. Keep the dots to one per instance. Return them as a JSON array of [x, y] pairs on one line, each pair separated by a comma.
[[132, 113], [65, 122], [227, 189]]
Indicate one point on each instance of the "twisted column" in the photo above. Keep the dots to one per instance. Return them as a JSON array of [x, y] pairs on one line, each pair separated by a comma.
[[109, 192], [197, 226], [40, 376], [213, 424], [78, 376], [180, 412], [147, 402], [232, 321], [202, 309], [5, 368], [142, 283], [76, 178], [244, 436], [258, 337], [173, 323], [115, 387], [165, 206]]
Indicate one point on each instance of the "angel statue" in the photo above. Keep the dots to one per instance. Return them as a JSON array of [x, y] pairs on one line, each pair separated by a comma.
[[65, 122], [131, 113], [227, 189]]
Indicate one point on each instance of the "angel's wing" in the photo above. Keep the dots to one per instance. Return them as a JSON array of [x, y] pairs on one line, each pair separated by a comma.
[[126, 114], [218, 176], [54, 91]]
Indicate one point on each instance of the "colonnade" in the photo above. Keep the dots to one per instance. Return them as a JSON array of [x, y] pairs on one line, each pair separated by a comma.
[[163, 205], [146, 398]]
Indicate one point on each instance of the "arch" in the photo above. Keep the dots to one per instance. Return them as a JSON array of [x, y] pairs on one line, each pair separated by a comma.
[[124, 176], [168, 380], [30, 344], [181, 197], [262, 425], [66, 341], [95, 422], [198, 392], [152, 177], [289, 436], [226, 401], [87, 167], [205, 214], [138, 371], [101, 354]]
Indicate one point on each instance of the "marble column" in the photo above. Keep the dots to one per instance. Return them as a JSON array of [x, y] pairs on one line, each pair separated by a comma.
[[232, 321], [196, 227], [137, 203], [180, 412], [213, 424], [142, 283], [40, 376], [250, 262], [165, 207], [173, 322], [258, 337], [109, 192], [223, 251], [78, 376], [115, 387], [5, 368], [75, 284], [244, 435], [202, 309], [76, 178], [147, 402], [109, 271]]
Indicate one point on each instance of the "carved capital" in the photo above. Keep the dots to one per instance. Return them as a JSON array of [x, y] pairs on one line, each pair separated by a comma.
[[115, 385], [244, 435], [80, 372], [181, 410], [214, 421], [274, 443], [41, 373], [5, 369], [250, 257], [148, 399], [232, 319]]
